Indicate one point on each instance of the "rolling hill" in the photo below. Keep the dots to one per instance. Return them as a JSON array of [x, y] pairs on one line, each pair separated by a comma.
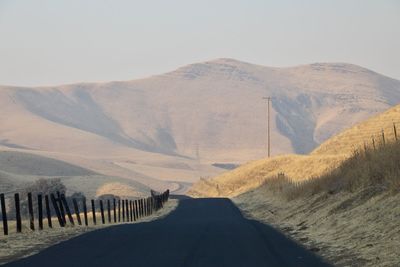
[[168, 130], [17, 169], [302, 167]]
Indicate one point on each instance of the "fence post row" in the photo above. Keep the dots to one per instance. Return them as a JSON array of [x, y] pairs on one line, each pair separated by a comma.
[[132, 210]]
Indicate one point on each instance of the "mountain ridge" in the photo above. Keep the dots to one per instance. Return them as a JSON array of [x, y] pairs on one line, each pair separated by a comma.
[[197, 115]]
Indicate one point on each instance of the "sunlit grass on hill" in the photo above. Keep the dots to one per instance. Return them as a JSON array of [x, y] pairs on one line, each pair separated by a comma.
[[364, 133], [322, 161], [377, 169], [253, 174]]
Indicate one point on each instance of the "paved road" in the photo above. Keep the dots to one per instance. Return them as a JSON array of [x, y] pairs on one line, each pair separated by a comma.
[[200, 232]]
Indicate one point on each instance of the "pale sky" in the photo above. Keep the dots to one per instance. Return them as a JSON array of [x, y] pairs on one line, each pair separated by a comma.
[[49, 42]]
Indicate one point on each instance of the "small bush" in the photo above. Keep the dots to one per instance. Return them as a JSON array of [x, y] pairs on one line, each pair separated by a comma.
[[41, 186]]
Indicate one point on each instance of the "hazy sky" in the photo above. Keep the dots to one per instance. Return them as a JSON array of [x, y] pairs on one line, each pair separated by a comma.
[[45, 42]]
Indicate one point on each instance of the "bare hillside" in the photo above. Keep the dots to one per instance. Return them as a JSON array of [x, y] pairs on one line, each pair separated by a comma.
[[167, 130]]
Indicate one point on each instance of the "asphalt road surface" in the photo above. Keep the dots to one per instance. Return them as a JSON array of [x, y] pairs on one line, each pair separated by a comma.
[[200, 232]]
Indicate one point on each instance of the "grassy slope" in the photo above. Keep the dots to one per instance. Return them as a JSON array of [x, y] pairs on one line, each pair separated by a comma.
[[349, 216], [323, 159]]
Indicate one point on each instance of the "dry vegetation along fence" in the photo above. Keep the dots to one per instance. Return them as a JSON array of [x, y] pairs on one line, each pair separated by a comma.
[[374, 166], [112, 210]]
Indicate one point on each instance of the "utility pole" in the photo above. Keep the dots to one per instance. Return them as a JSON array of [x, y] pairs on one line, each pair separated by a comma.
[[268, 126]]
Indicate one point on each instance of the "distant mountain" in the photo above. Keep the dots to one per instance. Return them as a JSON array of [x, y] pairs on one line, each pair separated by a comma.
[[172, 128]]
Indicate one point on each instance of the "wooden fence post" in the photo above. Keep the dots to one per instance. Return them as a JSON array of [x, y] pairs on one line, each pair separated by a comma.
[[64, 201], [48, 212], [4, 214], [93, 212], [85, 211], [102, 212], [146, 211], [123, 210], [108, 211], [61, 207], [40, 212], [135, 217], [127, 210], [76, 208], [383, 137], [115, 210], [131, 210], [147, 207], [57, 210], [139, 208], [18, 213], [30, 211], [395, 131], [119, 210]]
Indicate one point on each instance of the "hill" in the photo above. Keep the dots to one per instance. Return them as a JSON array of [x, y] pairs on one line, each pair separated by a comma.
[[17, 169], [170, 129], [299, 168]]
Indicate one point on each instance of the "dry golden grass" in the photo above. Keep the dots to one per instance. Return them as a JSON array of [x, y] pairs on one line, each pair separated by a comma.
[[377, 169], [347, 229], [253, 174], [354, 138], [19, 245], [118, 189], [349, 215], [321, 161]]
